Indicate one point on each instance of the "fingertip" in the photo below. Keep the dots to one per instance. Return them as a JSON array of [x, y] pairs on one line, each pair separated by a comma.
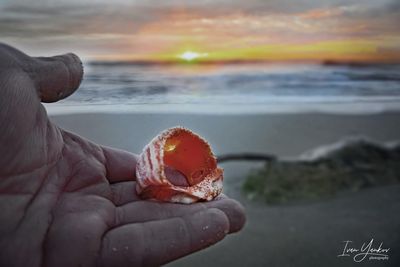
[[219, 220], [75, 70], [208, 227], [57, 77], [234, 211], [75, 66], [237, 216]]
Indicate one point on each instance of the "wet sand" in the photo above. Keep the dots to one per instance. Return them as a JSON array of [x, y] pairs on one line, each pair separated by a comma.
[[308, 234]]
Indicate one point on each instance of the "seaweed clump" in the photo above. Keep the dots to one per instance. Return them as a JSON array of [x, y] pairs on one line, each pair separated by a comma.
[[354, 166]]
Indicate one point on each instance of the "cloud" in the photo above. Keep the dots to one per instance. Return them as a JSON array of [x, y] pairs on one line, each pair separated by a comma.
[[102, 26], [34, 20], [54, 18]]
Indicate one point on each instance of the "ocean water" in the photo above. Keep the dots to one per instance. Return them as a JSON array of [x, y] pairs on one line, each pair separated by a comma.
[[236, 88]]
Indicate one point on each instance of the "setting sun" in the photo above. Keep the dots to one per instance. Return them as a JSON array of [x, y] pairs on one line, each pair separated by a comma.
[[190, 55]]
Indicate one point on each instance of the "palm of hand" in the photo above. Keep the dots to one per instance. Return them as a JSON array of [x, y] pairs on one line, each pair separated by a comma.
[[66, 201]]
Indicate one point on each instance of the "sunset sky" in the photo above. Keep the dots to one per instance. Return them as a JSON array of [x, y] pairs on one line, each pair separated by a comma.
[[207, 30]]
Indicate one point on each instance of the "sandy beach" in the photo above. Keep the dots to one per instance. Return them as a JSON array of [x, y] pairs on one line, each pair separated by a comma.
[[308, 234]]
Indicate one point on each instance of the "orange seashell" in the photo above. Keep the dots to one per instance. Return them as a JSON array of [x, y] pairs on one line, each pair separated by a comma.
[[178, 166]]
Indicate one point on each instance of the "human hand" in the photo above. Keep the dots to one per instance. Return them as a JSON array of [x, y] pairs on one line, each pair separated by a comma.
[[66, 201]]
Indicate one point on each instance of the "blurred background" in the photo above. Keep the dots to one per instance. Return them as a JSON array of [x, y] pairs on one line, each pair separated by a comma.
[[300, 100]]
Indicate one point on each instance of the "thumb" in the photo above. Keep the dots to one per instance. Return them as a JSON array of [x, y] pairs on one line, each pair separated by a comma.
[[56, 77]]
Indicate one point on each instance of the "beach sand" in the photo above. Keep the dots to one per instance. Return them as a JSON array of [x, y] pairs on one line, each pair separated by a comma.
[[307, 234]]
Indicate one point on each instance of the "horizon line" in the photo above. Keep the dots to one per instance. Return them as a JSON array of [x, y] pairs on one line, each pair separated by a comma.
[[326, 62]]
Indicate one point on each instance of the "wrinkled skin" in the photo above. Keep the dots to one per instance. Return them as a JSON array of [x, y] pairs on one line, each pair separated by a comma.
[[66, 201]]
